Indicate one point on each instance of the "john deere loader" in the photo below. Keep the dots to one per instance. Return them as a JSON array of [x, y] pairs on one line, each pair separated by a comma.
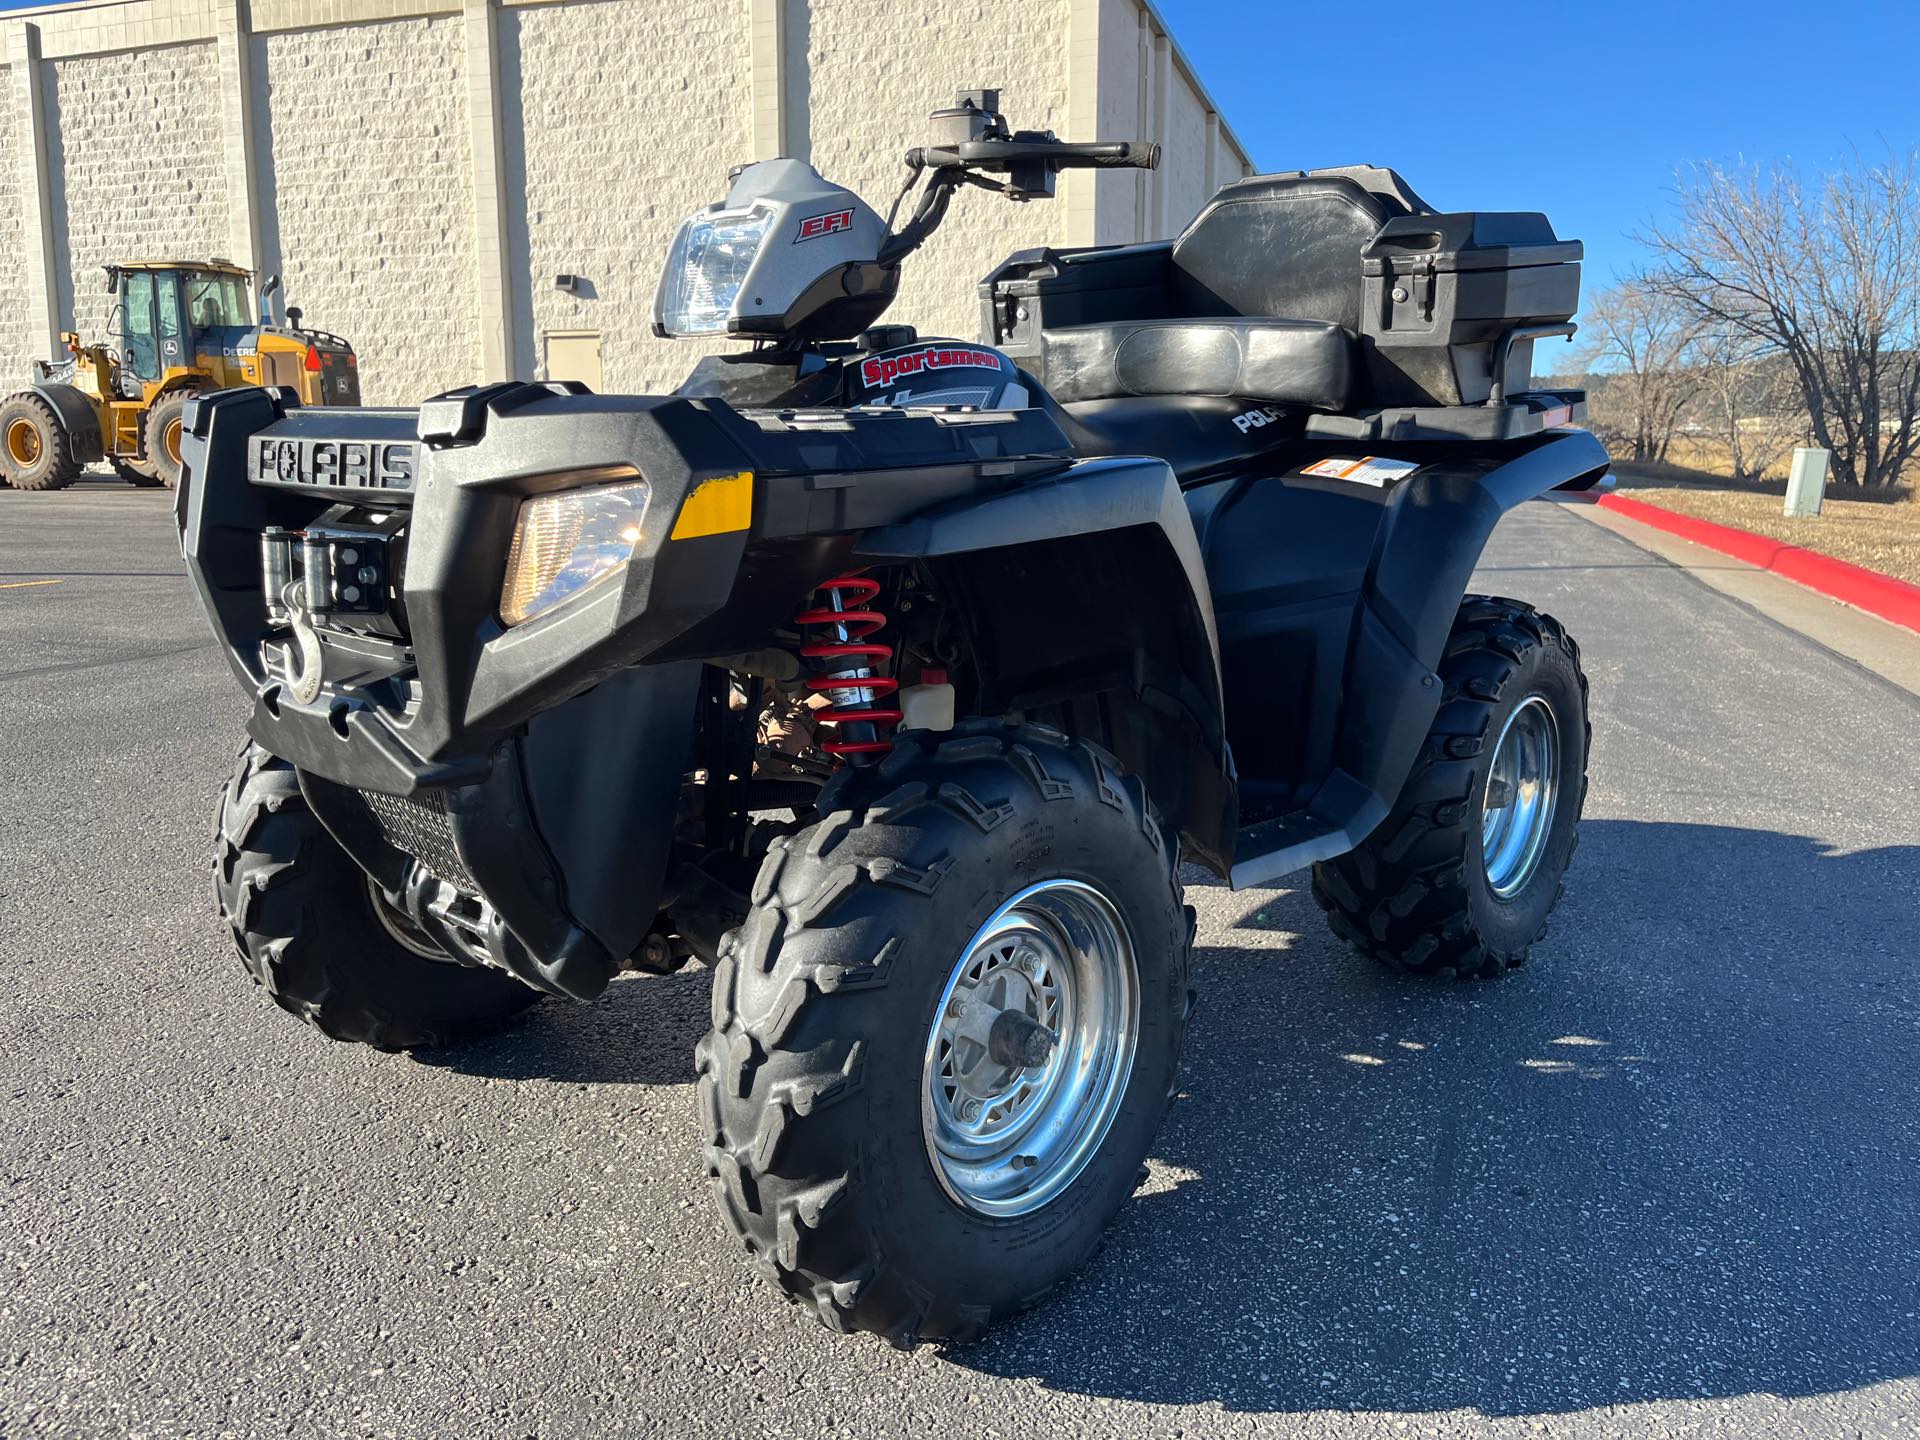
[[177, 328]]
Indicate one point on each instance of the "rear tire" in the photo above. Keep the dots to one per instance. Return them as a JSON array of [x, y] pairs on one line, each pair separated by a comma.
[[303, 919], [817, 1080], [135, 472], [1422, 894], [36, 453], [163, 431]]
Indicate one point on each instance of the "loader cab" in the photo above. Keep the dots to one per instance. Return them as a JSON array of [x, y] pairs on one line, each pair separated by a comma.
[[178, 317]]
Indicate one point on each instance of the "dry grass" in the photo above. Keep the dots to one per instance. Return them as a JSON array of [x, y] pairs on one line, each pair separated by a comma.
[[1879, 535], [1703, 456]]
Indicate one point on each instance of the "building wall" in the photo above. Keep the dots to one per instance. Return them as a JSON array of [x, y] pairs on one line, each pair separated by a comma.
[[419, 171], [18, 344], [368, 178], [877, 67], [134, 178], [608, 172]]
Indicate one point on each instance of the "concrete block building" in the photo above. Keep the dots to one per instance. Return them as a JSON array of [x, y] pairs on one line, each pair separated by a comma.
[[423, 172]]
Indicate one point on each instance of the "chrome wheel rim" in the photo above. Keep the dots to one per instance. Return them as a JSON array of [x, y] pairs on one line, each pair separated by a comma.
[[1522, 792], [400, 926], [1030, 1050]]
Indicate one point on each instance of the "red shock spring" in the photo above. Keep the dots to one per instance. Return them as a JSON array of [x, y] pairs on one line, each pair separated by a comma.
[[848, 658]]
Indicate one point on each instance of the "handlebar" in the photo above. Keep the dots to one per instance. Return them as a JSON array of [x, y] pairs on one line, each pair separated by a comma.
[[1057, 154], [1029, 159]]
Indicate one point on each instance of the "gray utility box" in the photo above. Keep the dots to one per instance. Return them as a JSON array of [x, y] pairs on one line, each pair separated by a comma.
[[1439, 293]]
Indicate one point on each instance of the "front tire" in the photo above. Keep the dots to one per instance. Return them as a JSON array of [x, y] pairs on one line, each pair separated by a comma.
[[304, 919], [1460, 878], [165, 427], [824, 1080], [36, 453]]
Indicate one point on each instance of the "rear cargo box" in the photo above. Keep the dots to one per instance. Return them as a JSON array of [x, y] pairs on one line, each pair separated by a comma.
[[1440, 292]]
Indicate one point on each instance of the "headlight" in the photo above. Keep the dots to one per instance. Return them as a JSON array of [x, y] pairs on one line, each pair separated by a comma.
[[706, 268], [567, 542]]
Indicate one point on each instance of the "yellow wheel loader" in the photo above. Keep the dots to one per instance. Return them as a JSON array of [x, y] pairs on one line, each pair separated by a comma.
[[178, 328]]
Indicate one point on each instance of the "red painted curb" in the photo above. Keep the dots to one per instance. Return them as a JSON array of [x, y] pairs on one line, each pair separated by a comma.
[[1854, 585]]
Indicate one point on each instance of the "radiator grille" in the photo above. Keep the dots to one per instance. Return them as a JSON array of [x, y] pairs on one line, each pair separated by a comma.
[[419, 826]]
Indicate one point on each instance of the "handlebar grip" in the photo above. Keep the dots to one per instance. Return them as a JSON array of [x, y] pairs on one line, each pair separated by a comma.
[[1116, 155]]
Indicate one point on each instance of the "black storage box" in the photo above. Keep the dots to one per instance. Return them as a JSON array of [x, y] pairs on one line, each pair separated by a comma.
[[1433, 301], [1439, 293]]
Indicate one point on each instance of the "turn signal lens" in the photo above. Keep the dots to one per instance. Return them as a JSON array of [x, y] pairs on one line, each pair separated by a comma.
[[567, 542]]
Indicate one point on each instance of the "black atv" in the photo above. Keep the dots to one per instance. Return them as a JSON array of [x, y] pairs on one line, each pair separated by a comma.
[[895, 677]]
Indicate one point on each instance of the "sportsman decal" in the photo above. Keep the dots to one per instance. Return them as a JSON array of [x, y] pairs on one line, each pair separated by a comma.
[[883, 370]]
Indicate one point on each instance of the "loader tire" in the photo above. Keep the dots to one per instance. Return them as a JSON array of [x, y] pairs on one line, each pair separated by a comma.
[[1438, 889], [830, 1065], [164, 430], [36, 453], [303, 917], [135, 472]]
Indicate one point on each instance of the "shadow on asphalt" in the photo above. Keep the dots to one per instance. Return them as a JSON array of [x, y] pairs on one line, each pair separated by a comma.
[[641, 1032], [1673, 1158]]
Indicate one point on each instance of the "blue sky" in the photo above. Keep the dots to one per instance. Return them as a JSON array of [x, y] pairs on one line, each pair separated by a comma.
[[1582, 110]]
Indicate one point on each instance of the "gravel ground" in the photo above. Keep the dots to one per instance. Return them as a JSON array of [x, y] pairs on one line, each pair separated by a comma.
[[1664, 1181]]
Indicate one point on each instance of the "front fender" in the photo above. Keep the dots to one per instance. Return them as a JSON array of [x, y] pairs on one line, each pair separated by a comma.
[[78, 417], [1085, 599]]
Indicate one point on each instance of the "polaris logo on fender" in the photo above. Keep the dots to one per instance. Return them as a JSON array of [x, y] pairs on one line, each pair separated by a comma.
[[814, 226], [883, 370], [348, 464], [1256, 419]]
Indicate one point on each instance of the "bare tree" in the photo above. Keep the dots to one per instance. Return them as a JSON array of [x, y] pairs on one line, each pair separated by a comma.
[[1642, 334], [1825, 275], [1749, 399]]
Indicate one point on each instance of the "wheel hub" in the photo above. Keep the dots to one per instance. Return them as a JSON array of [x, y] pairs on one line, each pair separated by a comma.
[[1029, 1054], [1522, 793], [23, 442], [400, 926]]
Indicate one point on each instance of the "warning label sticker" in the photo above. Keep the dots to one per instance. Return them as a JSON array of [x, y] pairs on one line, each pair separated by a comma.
[[1367, 470]]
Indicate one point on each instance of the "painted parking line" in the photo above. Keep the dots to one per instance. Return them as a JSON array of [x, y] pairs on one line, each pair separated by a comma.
[[24, 584]]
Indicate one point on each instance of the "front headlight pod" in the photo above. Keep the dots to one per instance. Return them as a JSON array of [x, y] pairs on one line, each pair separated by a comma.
[[706, 268], [567, 542]]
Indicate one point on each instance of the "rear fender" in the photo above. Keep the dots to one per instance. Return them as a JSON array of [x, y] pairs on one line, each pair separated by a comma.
[[1333, 634], [1085, 603], [77, 416]]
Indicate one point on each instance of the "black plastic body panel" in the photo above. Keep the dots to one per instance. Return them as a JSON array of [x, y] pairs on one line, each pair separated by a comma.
[[1263, 619], [543, 760], [1333, 600], [1087, 599]]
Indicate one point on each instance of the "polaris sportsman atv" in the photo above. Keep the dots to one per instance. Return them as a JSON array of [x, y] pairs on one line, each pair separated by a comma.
[[895, 676]]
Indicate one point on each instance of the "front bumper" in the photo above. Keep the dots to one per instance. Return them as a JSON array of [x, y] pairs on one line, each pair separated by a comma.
[[515, 789]]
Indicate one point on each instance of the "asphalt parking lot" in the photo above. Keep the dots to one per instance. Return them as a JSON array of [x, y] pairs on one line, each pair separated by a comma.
[[1664, 1181]]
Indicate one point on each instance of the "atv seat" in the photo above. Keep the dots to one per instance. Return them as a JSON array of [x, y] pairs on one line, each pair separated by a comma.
[[1258, 299], [1308, 363]]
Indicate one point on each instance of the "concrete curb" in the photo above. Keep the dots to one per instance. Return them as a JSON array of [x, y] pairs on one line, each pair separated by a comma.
[[1892, 600]]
